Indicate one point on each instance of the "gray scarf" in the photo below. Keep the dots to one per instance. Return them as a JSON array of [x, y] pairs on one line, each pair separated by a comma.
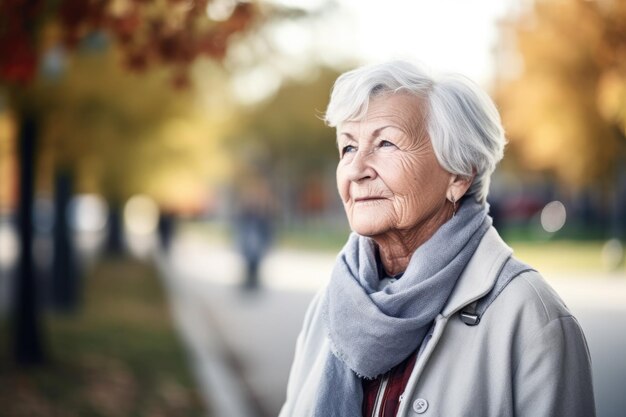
[[372, 331]]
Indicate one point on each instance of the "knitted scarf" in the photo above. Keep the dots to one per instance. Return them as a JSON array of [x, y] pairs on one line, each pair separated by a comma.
[[372, 331]]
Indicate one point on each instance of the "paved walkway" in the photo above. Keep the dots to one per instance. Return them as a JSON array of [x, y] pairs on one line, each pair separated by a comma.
[[245, 338], [243, 342]]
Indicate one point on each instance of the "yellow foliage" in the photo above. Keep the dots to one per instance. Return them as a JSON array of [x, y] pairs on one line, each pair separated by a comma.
[[565, 113], [125, 133], [8, 161]]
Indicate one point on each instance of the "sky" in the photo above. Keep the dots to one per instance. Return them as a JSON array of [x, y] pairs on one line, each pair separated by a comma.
[[445, 35], [450, 35]]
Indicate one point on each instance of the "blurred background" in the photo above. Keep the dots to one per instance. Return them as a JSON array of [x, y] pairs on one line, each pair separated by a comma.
[[167, 195]]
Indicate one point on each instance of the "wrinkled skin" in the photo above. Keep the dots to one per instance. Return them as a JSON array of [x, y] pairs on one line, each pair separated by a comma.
[[391, 184]]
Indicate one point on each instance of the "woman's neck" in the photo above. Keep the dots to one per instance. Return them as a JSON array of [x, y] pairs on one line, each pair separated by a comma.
[[397, 247]]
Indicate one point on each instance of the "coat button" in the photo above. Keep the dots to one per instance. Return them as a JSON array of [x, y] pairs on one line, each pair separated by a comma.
[[420, 406]]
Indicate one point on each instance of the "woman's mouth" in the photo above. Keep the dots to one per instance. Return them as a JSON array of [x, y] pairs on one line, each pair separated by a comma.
[[367, 199]]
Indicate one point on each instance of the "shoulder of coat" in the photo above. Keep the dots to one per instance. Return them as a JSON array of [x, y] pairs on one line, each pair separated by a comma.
[[530, 295]]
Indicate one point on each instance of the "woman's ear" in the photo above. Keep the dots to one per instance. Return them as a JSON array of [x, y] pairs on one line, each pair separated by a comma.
[[458, 186]]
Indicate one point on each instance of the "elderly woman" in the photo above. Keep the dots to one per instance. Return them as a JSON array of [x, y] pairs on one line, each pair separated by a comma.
[[426, 311]]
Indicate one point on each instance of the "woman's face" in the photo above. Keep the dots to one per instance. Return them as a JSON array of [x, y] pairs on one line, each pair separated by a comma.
[[388, 176]]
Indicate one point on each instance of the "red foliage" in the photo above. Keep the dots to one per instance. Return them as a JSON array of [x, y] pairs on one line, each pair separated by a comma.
[[213, 44], [18, 64], [137, 61], [125, 27], [77, 17], [18, 60], [145, 39], [240, 19]]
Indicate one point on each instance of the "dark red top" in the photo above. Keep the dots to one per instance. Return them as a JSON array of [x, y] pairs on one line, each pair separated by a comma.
[[398, 377]]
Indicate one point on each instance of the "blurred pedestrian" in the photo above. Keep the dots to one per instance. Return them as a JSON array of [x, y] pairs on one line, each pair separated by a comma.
[[253, 234], [166, 229], [426, 311]]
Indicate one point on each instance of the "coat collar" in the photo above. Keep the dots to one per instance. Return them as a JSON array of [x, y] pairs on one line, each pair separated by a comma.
[[480, 274]]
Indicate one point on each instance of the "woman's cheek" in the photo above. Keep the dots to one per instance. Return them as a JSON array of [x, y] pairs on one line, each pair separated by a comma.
[[342, 184]]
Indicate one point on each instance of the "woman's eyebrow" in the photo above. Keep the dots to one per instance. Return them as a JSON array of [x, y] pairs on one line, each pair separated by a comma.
[[374, 134]]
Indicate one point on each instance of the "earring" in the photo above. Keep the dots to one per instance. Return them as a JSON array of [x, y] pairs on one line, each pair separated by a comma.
[[453, 201]]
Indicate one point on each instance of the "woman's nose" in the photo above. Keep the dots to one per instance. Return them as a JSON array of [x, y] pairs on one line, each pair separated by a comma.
[[361, 166]]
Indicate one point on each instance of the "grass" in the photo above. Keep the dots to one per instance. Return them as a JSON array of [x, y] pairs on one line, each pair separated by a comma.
[[120, 356], [314, 238], [558, 255], [561, 254]]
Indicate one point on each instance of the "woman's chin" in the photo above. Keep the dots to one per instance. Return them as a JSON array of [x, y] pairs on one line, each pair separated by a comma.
[[368, 230]]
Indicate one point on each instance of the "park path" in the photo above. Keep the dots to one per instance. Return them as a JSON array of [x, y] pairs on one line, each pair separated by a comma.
[[242, 342], [245, 338]]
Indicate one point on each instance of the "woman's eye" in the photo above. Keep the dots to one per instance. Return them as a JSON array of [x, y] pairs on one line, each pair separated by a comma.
[[346, 149], [385, 143]]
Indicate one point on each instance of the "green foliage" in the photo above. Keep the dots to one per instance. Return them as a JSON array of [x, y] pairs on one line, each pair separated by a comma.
[[288, 128]]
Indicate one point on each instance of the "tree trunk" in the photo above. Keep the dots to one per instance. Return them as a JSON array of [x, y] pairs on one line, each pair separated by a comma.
[[115, 237], [65, 278], [28, 346]]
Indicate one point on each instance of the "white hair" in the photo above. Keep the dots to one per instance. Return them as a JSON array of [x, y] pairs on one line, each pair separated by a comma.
[[462, 121]]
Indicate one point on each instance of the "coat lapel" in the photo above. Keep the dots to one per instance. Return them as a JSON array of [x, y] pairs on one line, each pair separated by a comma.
[[480, 274]]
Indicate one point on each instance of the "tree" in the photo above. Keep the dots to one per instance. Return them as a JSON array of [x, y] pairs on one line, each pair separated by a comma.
[[125, 132], [34, 34], [565, 109]]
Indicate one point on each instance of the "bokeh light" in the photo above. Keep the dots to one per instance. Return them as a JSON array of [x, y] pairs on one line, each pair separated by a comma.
[[612, 254], [553, 216], [220, 10], [9, 245], [88, 213], [141, 215]]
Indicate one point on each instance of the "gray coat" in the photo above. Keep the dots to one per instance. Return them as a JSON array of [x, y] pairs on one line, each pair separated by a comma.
[[527, 357]]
